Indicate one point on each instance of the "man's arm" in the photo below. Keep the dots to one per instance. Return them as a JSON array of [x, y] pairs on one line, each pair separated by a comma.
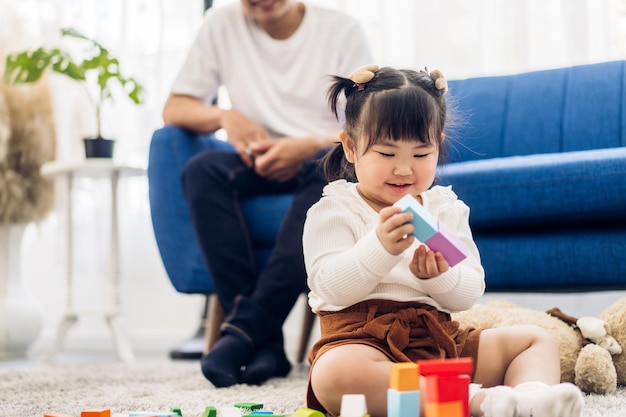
[[191, 113]]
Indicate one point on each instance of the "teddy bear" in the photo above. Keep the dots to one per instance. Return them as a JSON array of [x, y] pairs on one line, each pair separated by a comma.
[[592, 355]]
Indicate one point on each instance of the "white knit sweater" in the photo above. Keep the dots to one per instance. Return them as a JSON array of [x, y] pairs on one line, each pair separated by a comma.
[[347, 264]]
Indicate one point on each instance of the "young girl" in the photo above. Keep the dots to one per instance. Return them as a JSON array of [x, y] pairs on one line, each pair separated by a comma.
[[381, 295]]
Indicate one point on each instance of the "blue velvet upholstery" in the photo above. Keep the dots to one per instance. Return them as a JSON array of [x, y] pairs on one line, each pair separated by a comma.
[[539, 157]]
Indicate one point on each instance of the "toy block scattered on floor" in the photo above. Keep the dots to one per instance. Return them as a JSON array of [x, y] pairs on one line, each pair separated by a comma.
[[105, 412], [404, 376], [403, 396], [446, 386], [249, 406], [308, 412], [177, 411], [448, 409], [209, 411], [353, 405], [432, 232]]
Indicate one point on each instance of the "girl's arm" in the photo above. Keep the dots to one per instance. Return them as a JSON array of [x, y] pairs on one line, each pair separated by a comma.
[[341, 268]]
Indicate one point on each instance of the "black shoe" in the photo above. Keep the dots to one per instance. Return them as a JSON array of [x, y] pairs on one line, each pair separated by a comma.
[[191, 348]]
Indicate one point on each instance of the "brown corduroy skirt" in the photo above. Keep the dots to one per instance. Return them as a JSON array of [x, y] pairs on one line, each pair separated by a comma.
[[404, 332]]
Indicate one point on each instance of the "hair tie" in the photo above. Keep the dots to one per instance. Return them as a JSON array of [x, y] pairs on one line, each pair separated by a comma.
[[362, 76], [440, 82]]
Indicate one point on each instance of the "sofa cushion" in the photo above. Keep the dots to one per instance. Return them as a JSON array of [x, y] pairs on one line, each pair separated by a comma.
[[584, 187], [570, 259]]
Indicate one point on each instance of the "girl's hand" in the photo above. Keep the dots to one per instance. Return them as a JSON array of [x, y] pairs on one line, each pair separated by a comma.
[[427, 264], [394, 230]]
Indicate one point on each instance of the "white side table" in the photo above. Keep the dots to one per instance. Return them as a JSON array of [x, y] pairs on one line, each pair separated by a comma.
[[93, 168]]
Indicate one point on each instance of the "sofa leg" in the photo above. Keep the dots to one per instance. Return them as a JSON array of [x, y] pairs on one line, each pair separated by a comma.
[[214, 319], [307, 327], [193, 347]]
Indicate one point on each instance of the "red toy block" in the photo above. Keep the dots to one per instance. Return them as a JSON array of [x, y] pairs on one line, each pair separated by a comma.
[[446, 388], [449, 409], [105, 412], [449, 366], [404, 376]]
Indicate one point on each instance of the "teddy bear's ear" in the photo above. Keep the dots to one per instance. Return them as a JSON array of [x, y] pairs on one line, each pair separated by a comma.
[[598, 331]]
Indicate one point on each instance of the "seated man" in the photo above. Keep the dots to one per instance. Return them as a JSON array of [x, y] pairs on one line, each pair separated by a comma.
[[274, 57]]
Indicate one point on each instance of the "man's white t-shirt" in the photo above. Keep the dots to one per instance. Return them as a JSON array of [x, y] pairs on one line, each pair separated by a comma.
[[280, 84]]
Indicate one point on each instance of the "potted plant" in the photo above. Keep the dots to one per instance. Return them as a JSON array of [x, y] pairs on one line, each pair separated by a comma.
[[98, 67]]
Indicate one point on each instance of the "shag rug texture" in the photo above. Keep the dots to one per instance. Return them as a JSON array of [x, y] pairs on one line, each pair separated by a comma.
[[161, 385]]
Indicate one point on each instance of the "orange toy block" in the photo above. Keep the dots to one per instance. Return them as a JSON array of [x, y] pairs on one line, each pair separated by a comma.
[[449, 409], [105, 412], [404, 376], [450, 366]]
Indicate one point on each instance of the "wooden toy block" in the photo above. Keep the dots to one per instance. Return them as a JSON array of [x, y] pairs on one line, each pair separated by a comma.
[[209, 411], [403, 403], [258, 412], [249, 406], [177, 411], [353, 405], [105, 412], [450, 246], [448, 366], [308, 412], [404, 376], [425, 224], [444, 388], [449, 409], [432, 232]]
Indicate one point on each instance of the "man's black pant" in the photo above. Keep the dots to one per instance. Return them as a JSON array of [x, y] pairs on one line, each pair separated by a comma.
[[256, 303]]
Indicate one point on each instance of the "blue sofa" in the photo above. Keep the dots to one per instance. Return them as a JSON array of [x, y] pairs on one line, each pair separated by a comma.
[[539, 157]]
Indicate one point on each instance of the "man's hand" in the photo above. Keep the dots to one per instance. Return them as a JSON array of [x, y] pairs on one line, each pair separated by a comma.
[[394, 230], [243, 133], [280, 159]]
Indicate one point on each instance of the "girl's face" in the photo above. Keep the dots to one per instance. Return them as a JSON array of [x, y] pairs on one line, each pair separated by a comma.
[[391, 169]]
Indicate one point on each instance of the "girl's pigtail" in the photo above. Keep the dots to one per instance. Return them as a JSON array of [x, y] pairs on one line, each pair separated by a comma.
[[340, 85]]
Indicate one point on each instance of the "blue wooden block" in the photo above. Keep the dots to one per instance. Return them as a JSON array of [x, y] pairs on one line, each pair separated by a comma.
[[403, 403], [424, 222]]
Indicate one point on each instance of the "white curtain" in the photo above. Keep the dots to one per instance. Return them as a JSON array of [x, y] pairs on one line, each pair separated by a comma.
[[463, 38]]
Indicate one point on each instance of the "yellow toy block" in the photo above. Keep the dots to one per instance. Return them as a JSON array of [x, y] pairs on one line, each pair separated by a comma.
[[447, 409], [405, 376], [307, 412]]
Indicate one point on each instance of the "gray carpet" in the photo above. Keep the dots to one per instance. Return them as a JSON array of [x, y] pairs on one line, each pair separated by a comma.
[[161, 385]]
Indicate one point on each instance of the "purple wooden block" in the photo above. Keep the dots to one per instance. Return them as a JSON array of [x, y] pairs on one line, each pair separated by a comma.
[[450, 246]]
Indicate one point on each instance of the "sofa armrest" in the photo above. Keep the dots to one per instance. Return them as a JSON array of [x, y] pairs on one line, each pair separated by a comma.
[[170, 149]]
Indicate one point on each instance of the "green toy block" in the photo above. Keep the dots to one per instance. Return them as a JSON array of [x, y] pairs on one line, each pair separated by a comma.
[[249, 406], [209, 411]]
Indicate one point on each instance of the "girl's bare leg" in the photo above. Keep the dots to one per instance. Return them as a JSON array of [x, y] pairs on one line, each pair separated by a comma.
[[527, 358], [352, 369]]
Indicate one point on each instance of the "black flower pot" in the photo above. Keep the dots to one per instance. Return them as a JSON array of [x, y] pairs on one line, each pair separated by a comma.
[[98, 147]]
